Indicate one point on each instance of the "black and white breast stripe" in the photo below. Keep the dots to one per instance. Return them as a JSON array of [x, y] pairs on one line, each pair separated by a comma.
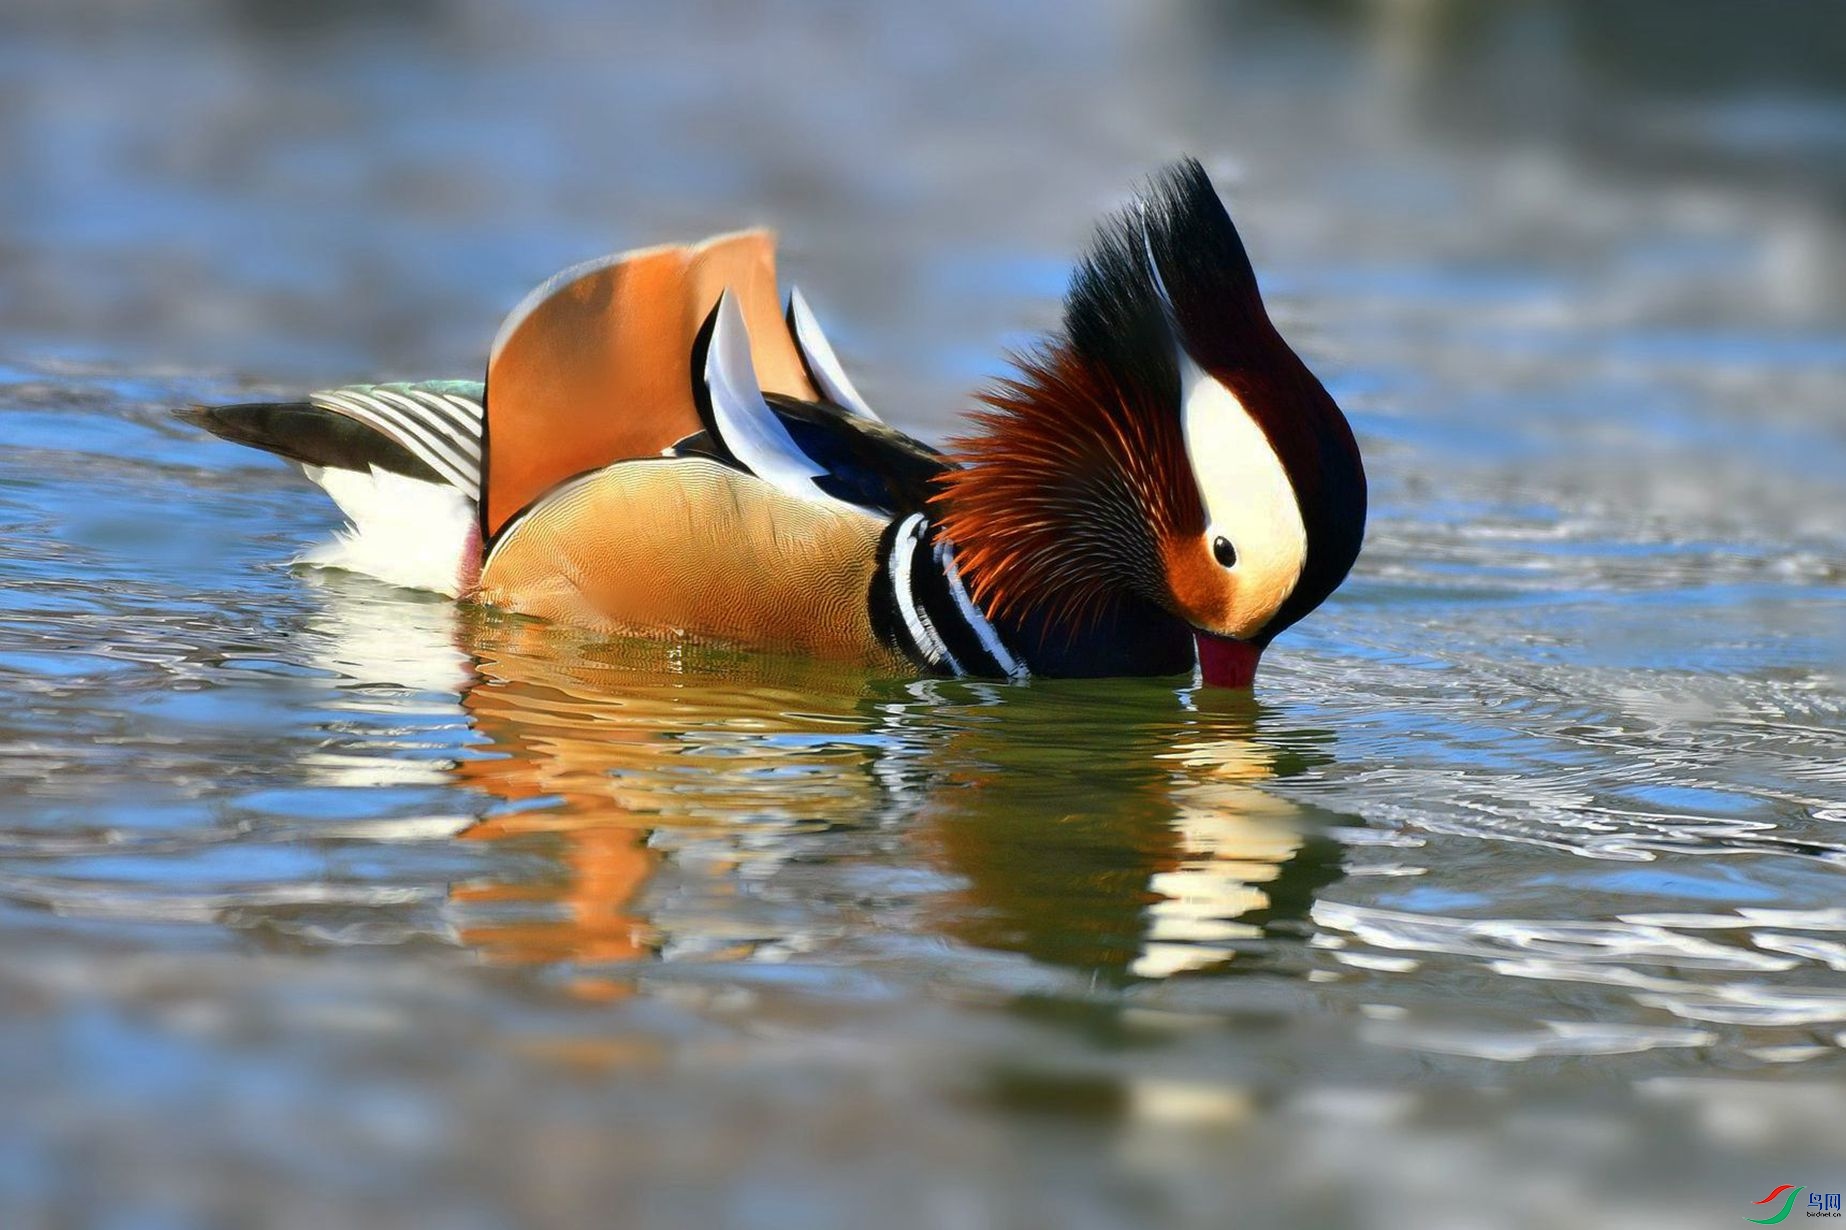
[[442, 429], [920, 604]]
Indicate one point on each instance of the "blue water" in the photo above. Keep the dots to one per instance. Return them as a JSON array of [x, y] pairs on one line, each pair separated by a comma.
[[1514, 897]]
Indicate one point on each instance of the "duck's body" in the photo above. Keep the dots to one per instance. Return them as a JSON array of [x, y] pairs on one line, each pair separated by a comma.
[[658, 450]]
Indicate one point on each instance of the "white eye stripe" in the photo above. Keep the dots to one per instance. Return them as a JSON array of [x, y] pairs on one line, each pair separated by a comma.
[[1249, 499]]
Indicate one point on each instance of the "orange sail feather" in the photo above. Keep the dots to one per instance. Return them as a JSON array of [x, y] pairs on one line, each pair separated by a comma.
[[592, 368]]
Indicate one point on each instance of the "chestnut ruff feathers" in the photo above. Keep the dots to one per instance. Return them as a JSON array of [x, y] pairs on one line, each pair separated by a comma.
[[1066, 486]]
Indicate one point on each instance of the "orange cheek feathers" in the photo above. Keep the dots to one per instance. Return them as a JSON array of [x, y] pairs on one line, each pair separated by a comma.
[[1211, 597], [1204, 594]]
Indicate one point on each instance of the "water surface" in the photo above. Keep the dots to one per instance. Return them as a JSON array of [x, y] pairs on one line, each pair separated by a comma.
[[1513, 897]]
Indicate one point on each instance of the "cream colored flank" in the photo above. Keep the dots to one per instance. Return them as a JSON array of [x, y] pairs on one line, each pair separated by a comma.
[[691, 548]]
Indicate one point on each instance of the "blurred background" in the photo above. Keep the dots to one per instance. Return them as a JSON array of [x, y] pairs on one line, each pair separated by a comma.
[[1515, 900]]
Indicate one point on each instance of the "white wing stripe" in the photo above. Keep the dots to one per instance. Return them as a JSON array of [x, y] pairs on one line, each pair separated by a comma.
[[447, 410], [471, 411], [971, 614], [439, 425], [916, 619], [413, 419], [405, 431], [408, 430], [825, 366]]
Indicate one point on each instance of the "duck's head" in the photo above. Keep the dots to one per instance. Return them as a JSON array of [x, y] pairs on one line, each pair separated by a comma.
[[1165, 445]]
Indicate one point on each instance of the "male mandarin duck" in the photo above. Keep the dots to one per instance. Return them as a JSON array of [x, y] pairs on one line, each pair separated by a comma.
[[659, 451]]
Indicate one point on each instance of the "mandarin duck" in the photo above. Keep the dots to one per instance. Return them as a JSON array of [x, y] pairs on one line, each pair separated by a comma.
[[661, 450]]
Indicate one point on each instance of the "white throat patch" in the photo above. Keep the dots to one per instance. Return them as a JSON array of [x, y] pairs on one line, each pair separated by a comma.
[[1248, 497]]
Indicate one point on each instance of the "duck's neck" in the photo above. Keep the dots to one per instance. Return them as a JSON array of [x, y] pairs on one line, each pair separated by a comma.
[[921, 604]]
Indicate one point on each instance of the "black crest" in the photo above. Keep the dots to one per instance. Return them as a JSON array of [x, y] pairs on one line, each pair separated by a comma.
[[1170, 262], [1170, 267]]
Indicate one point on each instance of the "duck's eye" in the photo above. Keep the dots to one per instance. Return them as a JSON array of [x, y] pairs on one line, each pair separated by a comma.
[[1224, 552]]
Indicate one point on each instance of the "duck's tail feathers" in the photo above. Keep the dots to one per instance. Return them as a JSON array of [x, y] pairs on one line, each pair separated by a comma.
[[402, 461]]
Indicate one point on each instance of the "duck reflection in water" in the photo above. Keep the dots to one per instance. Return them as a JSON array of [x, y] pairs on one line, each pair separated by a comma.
[[624, 758], [1117, 828], [1143, 848]]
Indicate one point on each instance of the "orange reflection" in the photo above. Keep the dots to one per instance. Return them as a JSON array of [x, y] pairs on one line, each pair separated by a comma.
[[615, 745]]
